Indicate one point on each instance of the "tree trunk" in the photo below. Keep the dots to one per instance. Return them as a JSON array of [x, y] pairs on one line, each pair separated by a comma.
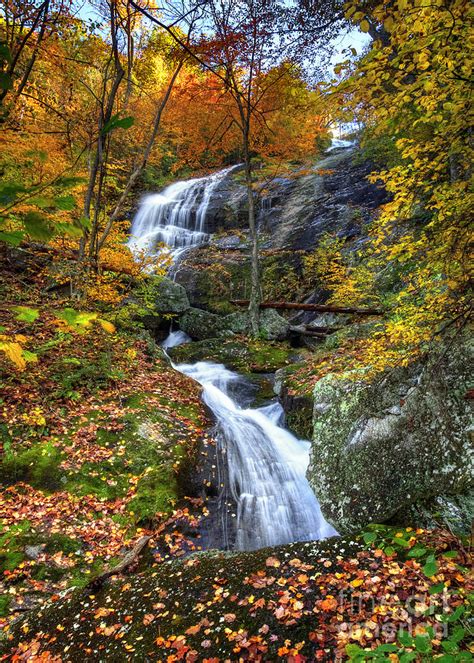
[[143, 162], [255, 291]]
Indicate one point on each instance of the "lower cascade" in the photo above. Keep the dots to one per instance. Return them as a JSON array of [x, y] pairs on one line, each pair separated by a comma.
[[261, 465]]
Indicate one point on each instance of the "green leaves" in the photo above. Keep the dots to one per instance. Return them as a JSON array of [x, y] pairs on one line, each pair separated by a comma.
[[369, 537], [80, 321], [37, 226], [431, 567], [39, 222], [423, 644], [26, 314], [417, 551], [116, 122], [436, 589], [6, 82], [65, 203], [14, 238]]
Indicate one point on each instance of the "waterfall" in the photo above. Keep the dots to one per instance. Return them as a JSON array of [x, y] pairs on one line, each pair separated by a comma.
[[263, 467], [338, 144], [176, 216]]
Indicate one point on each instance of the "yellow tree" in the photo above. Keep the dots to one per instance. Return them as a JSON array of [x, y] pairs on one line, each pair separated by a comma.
[[414, 88]]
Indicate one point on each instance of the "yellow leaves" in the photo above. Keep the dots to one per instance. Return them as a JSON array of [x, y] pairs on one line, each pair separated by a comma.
[[425, 117], [34, 417], [80, 321], [106, 325], [14, 353], [364, 25], [357, 582], [388, 23]]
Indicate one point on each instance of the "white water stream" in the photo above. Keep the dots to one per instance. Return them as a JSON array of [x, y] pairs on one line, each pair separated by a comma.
[[262, 463], [176, 216]]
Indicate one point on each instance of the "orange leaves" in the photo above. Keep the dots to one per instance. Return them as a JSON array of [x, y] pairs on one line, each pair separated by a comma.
[[273, 561], [328, 604]]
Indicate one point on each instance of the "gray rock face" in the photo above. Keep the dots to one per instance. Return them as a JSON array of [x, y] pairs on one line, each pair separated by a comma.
[[201, 325], [273, 326], [170, 297], [381, 448]]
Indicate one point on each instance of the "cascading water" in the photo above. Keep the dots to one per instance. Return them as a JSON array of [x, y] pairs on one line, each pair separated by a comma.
[[176, 216], [262, 467], [339, 143]]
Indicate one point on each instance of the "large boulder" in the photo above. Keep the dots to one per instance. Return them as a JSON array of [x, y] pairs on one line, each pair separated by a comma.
[[382, 447], [170, 297], [201, 324], [273, 326]]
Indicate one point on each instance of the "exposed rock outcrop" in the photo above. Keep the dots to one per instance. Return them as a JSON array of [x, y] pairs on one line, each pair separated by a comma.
[[201, 324], [170, 297], [395, 443]]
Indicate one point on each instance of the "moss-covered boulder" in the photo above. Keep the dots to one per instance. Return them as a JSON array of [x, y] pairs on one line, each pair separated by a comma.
[[273, 326], [170, 297], [306, 601], [200, 324], [381, 447]]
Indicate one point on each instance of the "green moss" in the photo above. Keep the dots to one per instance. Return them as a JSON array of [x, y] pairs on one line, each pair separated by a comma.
[[243, 355], [155, 494], [72, 374], [57, 542], [182, 588], [38, 466], [5, 601], [300, 419]]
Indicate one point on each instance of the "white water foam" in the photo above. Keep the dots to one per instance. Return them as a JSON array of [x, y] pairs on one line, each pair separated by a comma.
[[265, 466]]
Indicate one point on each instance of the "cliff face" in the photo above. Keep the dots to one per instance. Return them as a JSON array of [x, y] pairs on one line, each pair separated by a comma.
[[293, 215]]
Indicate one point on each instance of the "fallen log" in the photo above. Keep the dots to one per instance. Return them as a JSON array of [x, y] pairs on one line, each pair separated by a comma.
[[127, 561], [320, 308]]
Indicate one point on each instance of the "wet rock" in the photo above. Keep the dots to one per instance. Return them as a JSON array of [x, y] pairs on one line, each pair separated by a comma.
[[383, 446], [298, 408]]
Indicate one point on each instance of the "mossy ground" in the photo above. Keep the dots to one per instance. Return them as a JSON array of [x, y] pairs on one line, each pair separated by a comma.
[[94, 438], [239, 353]]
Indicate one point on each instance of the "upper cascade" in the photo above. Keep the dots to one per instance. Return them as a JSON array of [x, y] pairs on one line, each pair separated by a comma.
[[176, 216]]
